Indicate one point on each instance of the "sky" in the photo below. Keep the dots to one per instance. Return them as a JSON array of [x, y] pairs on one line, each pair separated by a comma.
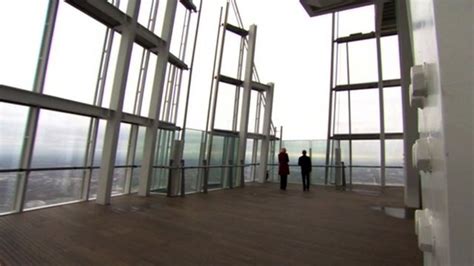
[[292, 51]]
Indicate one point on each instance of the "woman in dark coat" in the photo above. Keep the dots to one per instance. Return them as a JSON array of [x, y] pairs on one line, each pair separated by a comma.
[[283, 168]]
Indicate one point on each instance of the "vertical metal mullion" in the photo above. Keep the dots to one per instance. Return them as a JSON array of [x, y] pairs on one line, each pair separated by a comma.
[[331, 81], [350, 114], [266, 131], [191, 68], [168, 93], [378, 8], [94, 122], [216, 84], [131, 152], [207, 144], [33, 113], [176, 96], [235, 117], [182, 54]]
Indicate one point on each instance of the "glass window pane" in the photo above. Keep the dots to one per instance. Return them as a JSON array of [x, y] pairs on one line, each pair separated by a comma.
[[341, 64], [294, 149], [390, 57], [109, 78], [365, 111], [61, 140], [249, 170], [12, 132], [318, 159], [162, 158], [363, 61], [394, 158], [393, 109], [8, 184], [230, 58], [364, 17], [122, 145], [341, 114], [179, 23], [217, 158], [75, 55], [192, 148], [394, 152], [225, 108], [53, 187], [132, 80], [94, 183], [99, 145], [149, 86], [118, 184], [365, 153], [23, 22]]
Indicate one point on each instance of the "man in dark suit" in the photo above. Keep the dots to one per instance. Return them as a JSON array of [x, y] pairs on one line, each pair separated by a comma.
[[305, 163]]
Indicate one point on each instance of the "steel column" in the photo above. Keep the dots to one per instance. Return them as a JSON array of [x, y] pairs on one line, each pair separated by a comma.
[[410, 116], [331, 84], [112, 129], [378, 18], [262, 168], [156, 100], [247, 89]]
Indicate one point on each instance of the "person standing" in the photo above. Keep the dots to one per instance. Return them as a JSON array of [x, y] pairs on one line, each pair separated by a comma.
[[283, 168], [305, 163]]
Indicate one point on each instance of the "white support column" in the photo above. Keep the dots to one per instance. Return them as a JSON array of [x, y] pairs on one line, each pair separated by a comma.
[[112, 129], [156, 100], [378, 21], [410, 116], [262, 169], [33, 115], [244, 114]]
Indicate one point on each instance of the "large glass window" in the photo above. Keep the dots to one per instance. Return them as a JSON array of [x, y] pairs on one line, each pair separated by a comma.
[[192, 148], [363, 61], [61, 140], [364, 17], [365, 111], [394, 173], [225, 107], [393, 109], [53, 187], [390, 57], [22, 28], [162, 158], [365, 155], [341, 113], [133, 80], [217, 158], [12, 132], [75, 55], [8, 185], [318, 159]]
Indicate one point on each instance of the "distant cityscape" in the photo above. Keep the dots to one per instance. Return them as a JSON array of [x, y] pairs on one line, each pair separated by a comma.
[[59, 186]]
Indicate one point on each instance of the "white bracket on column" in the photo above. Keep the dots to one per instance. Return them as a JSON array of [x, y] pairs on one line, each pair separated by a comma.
[[424, 230], [421, 155], [418, 87]]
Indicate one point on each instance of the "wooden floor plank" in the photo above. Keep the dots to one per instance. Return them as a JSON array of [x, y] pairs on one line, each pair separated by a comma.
[[255, 225]]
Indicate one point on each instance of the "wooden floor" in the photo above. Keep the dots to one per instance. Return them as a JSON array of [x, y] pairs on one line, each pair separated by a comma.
[[255, 225]]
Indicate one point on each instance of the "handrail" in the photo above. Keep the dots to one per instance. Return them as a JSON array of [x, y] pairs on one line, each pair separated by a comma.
[[180, 167], [336, 166]]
